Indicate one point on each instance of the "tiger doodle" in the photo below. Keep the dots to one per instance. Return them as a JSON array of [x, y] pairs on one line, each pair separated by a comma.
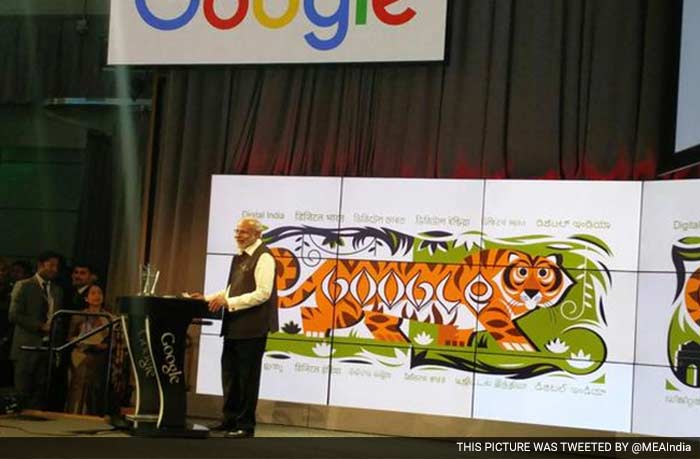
[[493, 286], [684, 342], [692, 297]]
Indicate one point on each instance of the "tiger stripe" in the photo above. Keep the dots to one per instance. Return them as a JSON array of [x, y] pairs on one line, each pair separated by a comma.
[[496, 286]]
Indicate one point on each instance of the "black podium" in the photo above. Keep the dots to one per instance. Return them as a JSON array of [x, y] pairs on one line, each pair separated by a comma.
[[155, 330]]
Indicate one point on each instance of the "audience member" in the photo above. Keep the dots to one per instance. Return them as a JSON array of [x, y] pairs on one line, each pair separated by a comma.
[[82, 276], [6, 370], [32, 303], [86, 393], [76, 281], [20, 270], [4, 271]]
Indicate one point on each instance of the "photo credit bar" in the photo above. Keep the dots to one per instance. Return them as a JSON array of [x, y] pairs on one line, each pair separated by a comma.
[[556, 447]]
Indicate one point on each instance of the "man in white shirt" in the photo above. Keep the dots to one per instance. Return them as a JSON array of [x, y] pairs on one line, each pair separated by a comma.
[[249, 304]]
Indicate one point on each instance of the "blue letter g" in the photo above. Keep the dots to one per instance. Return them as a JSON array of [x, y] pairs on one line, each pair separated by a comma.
[[166, 24]]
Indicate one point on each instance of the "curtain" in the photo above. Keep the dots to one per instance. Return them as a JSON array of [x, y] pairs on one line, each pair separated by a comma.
[[94, 227], [580, 89]]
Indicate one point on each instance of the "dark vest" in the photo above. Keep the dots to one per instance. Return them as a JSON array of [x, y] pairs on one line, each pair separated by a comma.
[[77, 301], [256, 321]]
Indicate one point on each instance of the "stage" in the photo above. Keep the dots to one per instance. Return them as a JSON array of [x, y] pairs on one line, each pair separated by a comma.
[[34, 434], [54, 425], [56, 435]]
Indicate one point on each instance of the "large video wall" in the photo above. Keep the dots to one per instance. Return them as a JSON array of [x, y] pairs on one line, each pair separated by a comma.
[[564, 303]]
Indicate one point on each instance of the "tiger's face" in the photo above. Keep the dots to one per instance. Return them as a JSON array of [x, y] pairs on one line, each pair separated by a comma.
[[528, 282], [692, 298]]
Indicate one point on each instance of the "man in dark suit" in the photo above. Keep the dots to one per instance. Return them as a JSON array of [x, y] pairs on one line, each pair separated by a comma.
[[5, 326], [32, 302], [249, 303], [15, 272], [82, 277]]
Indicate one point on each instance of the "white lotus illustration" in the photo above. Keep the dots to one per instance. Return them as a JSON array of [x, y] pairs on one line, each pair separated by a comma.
[[423, 339], [468, 240], [400, 358], [323, 350], [580, 360], [557, 346]]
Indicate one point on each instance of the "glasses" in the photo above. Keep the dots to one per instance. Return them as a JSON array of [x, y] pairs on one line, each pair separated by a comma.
[[149, 279]]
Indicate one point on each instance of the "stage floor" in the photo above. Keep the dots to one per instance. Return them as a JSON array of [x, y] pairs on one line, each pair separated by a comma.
[[43, 424], [33, 435]]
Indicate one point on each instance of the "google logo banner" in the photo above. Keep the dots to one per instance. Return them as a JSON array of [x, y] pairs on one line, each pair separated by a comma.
[[275, 31]]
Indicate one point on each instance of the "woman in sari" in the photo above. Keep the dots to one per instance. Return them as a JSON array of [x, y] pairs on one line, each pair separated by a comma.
[[86, 392]]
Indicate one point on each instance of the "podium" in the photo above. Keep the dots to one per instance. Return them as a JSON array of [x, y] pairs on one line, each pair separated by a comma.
[[155, 329]]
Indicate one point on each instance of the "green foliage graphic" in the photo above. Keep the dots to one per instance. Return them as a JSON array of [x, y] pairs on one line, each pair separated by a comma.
[[566, 335]]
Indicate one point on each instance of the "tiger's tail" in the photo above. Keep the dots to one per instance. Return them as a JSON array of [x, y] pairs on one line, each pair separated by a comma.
[[288, 272]]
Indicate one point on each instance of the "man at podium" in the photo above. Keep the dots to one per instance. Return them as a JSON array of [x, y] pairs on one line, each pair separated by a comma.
[[249, 304]]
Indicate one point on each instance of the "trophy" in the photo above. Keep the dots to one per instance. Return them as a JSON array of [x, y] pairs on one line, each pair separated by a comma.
[[149, 279]]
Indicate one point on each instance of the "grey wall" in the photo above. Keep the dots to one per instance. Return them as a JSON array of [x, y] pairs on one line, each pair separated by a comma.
[[42, 162], [44, 151], [61, 7]]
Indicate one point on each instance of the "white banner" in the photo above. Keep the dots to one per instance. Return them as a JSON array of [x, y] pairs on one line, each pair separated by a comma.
[[601, 279], [275, 31]]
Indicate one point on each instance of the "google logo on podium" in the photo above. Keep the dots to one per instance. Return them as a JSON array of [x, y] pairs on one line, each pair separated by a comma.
[[384, 10]]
